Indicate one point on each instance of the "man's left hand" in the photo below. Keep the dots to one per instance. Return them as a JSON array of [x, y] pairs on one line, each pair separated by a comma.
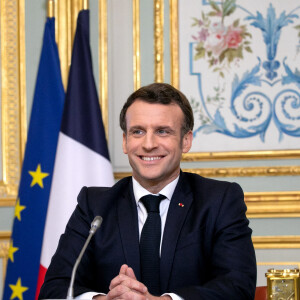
[[126, 286]]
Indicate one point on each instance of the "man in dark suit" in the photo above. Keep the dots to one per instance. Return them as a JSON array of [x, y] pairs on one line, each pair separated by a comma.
[[204, 250]]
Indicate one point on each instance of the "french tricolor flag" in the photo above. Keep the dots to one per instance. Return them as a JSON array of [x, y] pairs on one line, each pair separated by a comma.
[[82, 157]]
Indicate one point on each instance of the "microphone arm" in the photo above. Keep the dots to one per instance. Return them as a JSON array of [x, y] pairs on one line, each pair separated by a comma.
[[94, 226]]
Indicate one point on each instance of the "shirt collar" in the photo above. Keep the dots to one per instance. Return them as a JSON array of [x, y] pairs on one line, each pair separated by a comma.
[[167, 191]]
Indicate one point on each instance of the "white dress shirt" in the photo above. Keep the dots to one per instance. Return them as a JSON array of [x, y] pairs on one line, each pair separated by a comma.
[[139, 192]]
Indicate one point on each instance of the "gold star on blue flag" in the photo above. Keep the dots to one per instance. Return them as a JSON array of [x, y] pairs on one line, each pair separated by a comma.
[[38, 176], [17, 290]]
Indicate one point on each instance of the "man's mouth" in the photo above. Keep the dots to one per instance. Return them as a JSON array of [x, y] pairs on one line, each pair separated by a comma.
[[150, 158]]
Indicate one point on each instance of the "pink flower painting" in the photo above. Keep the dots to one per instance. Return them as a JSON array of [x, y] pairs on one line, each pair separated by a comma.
[[218, 42]]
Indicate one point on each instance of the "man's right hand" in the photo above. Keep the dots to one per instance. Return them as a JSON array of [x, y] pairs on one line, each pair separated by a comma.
[[126, 286]]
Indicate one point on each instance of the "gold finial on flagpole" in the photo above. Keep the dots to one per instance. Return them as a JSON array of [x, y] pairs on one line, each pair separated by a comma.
[[85, 4], [50, 8]]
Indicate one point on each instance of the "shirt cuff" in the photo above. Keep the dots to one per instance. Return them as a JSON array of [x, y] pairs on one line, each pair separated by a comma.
[[173, 296], [87, 296]]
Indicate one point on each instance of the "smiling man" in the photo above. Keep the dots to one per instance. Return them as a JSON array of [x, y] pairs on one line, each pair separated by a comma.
[[166, 234], [154, 143]]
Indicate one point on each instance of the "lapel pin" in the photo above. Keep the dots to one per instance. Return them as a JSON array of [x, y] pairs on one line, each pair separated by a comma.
[[181, 204]]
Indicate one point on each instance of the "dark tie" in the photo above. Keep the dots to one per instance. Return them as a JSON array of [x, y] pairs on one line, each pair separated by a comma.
[[150, 244]]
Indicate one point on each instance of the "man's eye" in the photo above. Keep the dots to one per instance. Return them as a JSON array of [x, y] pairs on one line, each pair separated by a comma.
[[162, 131], [137, 132]]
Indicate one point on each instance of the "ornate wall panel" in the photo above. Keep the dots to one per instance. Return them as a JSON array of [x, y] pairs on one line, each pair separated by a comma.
[[238, 74], [13, 102]]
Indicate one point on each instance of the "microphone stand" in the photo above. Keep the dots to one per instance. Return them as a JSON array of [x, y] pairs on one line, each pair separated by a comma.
[[94, 226]]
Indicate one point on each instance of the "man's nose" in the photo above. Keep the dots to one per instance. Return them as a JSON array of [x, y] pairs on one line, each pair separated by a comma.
[[149, 141]]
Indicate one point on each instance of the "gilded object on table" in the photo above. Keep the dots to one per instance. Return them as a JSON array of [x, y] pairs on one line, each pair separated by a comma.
[[283, 284]]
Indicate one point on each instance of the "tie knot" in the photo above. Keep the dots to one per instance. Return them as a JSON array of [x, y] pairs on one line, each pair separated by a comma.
[[152, 202]]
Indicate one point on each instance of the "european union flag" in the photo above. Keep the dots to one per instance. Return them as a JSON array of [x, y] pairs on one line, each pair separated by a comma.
[[32, 203]]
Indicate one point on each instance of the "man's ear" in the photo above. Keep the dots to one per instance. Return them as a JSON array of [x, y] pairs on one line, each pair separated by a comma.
[[187, 142], [124, 144]]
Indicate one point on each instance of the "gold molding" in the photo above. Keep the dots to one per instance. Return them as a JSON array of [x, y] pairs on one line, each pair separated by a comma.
[[103, 84], [4, 246], [276, 242], [236, 172], [239, 155], [7, 202], [5, 235], [13, 96], [136, 44], [281, 263], [247, 172], [174, 43], [159, 40], [273, 204]]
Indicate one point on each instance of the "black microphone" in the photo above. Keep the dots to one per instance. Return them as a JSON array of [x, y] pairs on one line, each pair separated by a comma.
[[94, 226]]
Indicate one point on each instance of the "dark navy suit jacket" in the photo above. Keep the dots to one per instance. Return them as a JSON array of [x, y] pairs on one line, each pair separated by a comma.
[[206, 252]]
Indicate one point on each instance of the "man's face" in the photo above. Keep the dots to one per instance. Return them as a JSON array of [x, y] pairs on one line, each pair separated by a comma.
[[153, 142]]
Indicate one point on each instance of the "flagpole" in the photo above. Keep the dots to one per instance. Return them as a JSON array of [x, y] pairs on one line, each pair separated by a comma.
[[50, 9]]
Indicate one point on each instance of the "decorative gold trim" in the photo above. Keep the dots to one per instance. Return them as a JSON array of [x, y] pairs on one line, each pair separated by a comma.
[[103, 85], [247, 172], [22, 79], [273, 204], [276, 242], [236, 172], [159, 40], [239, 155], [5, 235], [136, 44], [120, 175], [281, 263], [174, 43], [13, 96], [4, 246], [7, 202]]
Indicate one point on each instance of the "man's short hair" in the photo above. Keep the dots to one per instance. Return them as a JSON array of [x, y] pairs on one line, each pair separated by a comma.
[[161, 93]]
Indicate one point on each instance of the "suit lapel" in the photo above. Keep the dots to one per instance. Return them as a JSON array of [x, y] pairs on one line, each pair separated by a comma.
[[178, 209], [128, 224]]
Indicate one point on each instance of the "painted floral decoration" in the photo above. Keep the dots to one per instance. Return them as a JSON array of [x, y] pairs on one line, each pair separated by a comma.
[[218, 42]]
